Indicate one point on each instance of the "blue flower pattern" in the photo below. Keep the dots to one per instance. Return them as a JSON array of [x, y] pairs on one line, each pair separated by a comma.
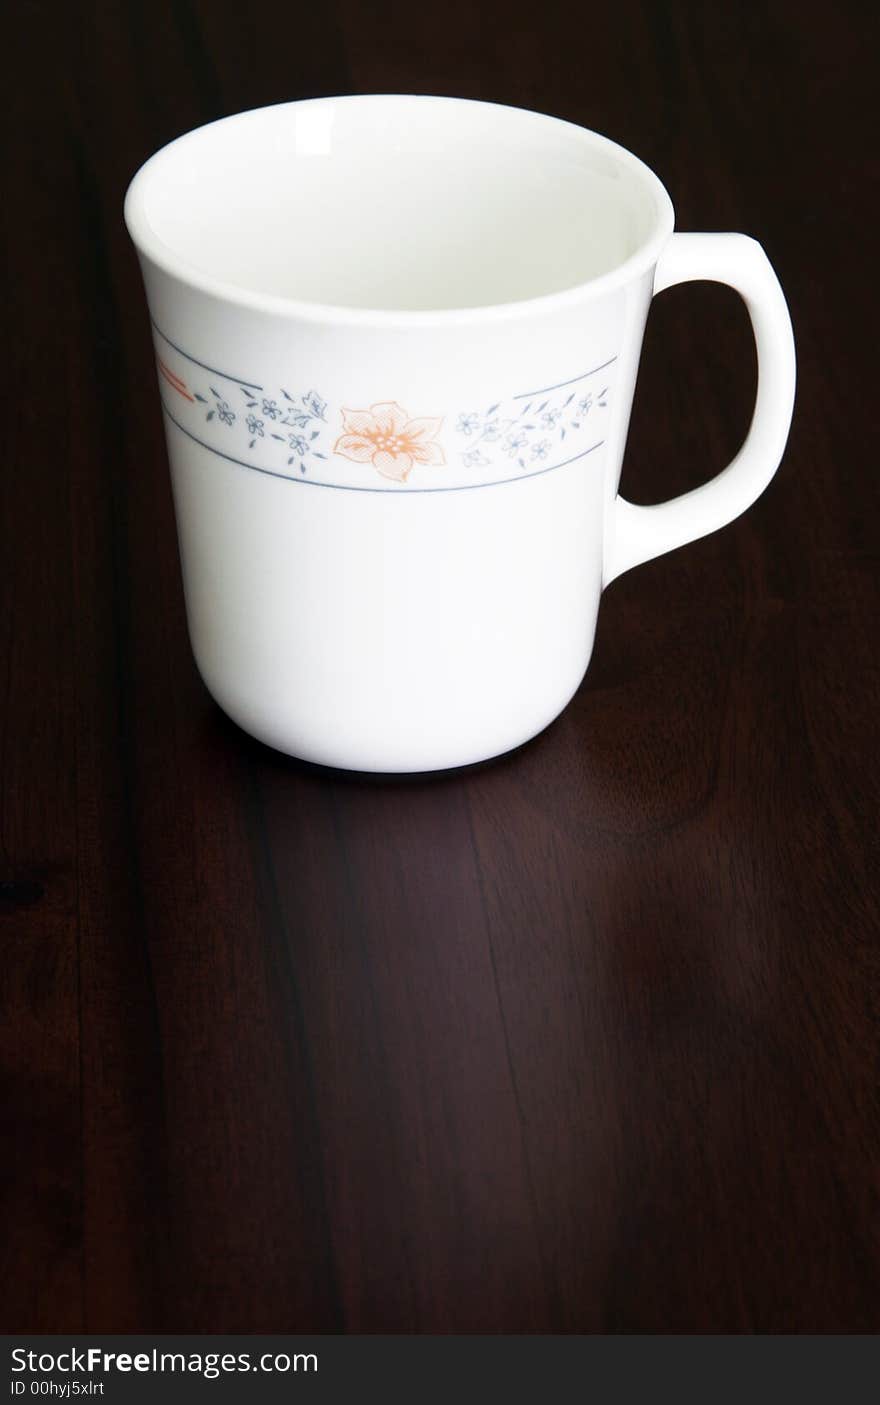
[[529, 434], [468, 424], [305, 412], [514, 442]]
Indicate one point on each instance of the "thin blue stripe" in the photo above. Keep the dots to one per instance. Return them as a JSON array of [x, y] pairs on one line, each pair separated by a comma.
[[562, 384], [351, 488], [251, 385]]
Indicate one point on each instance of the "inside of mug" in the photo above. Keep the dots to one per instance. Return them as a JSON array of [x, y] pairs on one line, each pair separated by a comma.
[[398, 203]]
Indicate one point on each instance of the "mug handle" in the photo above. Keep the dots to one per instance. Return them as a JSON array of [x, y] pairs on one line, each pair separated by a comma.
[[637, 534]]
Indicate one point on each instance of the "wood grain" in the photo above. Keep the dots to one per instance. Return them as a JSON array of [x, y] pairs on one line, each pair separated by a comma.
[[583, 1041]]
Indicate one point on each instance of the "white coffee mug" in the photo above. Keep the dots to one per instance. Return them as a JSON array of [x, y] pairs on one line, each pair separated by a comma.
[[397, 340]]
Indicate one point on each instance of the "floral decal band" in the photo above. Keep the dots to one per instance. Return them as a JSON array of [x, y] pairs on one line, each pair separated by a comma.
[[292, 432]]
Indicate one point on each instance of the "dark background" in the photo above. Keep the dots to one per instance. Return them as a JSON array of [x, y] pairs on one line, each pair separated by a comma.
[[582, 1041]]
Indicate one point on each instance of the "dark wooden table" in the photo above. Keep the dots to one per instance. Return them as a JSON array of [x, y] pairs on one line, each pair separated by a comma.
[[584, 1041]]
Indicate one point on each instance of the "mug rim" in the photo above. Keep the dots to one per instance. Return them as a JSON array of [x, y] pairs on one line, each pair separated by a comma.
[[148, 243]]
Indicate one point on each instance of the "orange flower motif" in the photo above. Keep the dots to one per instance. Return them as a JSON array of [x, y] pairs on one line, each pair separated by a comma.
[[386, 437]]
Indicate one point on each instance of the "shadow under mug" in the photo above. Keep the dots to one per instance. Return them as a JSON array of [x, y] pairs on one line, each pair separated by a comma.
[[397, 340]]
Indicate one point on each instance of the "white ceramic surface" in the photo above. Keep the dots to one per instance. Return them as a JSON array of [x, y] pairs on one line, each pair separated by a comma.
[[397, 340]]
